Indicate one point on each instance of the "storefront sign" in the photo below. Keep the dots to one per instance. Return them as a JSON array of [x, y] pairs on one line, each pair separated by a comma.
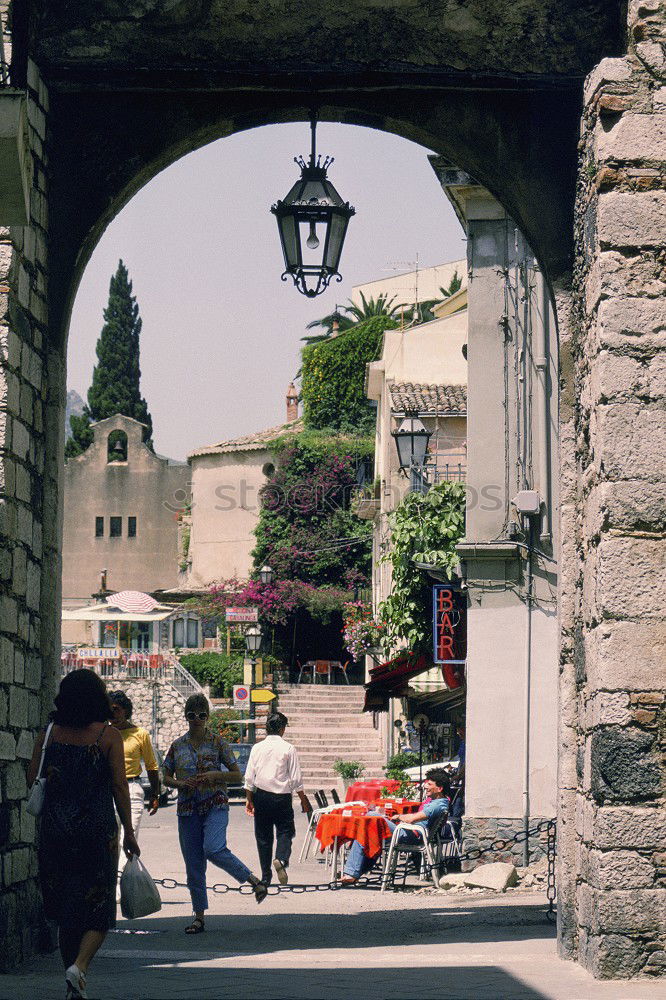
[[240, 615], [449, 624], [98, 652]]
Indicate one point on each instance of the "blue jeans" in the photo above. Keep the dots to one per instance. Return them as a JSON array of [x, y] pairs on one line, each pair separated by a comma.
[[358, 863], [202, 839]]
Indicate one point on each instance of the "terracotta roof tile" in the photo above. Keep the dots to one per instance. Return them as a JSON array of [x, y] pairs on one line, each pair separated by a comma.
[[251, 442], [428, 398]]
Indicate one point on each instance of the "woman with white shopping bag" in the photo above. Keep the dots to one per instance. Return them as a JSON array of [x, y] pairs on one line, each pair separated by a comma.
[[84, 772], [200, 764]]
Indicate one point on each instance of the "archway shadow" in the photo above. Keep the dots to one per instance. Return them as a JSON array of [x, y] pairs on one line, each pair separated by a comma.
[[264, 933]]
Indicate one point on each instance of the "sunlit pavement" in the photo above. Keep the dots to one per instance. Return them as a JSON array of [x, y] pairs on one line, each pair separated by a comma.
[[347, 943]]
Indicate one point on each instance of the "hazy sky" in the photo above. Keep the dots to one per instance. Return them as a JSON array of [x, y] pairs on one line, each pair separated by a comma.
[[221, 332]]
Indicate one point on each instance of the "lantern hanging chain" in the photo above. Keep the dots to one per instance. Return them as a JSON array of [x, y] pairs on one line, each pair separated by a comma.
[[313, 145]]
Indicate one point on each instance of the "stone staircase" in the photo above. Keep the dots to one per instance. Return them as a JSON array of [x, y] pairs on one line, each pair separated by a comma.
[[327, 723]]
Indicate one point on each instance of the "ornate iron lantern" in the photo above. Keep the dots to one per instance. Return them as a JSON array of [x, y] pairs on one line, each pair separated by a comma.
[[253, 639], [411, 439], [312, 221]]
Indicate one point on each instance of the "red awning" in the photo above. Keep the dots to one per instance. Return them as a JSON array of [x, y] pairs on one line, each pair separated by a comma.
[[391, 679]]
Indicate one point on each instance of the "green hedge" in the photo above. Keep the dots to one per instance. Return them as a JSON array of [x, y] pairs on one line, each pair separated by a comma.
[[333, 377], [218, 670]]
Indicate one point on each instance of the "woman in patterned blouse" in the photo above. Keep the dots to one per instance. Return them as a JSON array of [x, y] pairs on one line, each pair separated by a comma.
[[200, 765]]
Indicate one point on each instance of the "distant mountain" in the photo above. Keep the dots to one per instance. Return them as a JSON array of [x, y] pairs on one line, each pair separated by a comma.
[[74, 406]]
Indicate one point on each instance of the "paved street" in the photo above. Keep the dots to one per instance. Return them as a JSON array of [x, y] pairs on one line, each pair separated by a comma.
[[350, 943]]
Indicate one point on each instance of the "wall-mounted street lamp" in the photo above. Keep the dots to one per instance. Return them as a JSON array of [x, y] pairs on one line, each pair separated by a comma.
[[411, 439], [266, 574], [312, 221]]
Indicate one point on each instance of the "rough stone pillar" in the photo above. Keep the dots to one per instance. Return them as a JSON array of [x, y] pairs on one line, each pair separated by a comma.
[[614, 520], [29, 562]]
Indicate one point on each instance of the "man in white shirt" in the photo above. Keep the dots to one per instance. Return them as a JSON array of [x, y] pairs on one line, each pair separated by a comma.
[[272, 775]]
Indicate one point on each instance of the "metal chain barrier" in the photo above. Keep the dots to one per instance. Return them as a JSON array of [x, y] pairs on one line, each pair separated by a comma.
[[370, 882]]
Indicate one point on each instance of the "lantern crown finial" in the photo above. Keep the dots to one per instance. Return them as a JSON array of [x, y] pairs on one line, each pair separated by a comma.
[[312, 204]]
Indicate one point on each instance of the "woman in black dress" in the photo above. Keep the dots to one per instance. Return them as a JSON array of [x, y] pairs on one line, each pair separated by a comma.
[[84, 768]]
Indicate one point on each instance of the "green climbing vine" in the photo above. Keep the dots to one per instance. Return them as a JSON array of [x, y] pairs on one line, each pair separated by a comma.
[[425, 528]]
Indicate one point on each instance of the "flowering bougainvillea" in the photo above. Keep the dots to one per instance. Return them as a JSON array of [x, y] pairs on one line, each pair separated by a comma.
[[276, 601], [307, 530], [362, 631]]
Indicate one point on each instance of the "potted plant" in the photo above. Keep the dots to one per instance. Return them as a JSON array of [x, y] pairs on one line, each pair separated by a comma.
[[349, 770], [362, 632]]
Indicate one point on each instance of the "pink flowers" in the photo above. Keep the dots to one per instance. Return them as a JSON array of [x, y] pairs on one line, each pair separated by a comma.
[[362, 631]]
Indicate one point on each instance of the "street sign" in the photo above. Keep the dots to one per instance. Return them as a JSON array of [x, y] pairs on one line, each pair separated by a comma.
[[262, 695], [235, 616], [241, 696]]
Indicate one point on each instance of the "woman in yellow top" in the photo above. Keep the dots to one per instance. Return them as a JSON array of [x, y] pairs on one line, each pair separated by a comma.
[[137, 748]]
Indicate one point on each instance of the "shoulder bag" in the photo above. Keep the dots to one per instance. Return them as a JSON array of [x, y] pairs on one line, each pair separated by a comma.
[[35, 802]]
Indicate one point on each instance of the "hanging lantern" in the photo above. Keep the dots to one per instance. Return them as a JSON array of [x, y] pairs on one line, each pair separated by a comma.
[[312, 221]]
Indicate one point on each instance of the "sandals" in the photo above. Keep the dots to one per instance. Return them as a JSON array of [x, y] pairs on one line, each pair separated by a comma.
[[196, 927]]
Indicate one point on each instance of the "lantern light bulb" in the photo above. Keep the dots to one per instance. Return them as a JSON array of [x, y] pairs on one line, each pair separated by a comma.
[[312, 241]]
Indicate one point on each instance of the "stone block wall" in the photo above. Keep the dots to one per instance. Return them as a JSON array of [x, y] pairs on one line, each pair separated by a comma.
[[482, 833], [155, 702], [612, 829], [29, 476]]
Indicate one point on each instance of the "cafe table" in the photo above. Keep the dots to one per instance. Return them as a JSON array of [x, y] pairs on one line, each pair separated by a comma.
[[370, 791], [401, 807], [350, 823]]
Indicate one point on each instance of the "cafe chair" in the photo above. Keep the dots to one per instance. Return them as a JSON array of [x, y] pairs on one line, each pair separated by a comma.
[[449, 843], [426, 847], [335, 796], [315, 816], [321, 668], [322, 796], [307, 666], [343, 668]]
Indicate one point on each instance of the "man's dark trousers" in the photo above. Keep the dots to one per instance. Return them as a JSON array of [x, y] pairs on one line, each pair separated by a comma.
[[273, 812]]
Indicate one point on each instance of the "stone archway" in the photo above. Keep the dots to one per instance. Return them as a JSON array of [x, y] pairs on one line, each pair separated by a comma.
[[113, 99]]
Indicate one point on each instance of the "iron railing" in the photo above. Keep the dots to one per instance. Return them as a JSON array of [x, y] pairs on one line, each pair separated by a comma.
[[135, 666]]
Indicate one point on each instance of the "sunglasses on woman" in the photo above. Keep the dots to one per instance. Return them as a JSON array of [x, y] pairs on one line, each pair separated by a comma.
[[191, 716]]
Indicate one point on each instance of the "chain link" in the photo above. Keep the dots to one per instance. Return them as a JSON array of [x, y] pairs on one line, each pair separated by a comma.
[[368, 882], [551, 887]]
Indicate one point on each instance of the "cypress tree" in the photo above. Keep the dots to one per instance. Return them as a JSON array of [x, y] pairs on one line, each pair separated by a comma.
[[115, 383]]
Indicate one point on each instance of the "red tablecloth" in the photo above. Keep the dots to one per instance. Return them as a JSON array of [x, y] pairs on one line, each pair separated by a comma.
[[404, 808], [371, 790], [370, 831]]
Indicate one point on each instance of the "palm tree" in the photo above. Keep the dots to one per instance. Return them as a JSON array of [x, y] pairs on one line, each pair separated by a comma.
[[423, 312], [328, 324], [381, 306]]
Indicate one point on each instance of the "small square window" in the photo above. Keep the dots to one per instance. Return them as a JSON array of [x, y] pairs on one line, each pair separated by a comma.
[[99, 527], [116, 527], [131, 527]]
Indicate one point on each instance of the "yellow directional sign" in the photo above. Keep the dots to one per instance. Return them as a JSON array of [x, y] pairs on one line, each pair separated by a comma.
[[262, 695]]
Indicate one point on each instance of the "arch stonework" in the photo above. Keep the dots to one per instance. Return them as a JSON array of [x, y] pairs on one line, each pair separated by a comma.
[[579, 166]]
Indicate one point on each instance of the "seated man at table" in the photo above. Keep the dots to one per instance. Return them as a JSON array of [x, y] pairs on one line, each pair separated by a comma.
[[437, 788]]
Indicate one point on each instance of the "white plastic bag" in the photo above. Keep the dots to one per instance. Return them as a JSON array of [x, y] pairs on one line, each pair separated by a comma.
[[138, 893]]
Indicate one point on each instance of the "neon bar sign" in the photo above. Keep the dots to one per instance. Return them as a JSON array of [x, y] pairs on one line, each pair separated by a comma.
[[449, 624]]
